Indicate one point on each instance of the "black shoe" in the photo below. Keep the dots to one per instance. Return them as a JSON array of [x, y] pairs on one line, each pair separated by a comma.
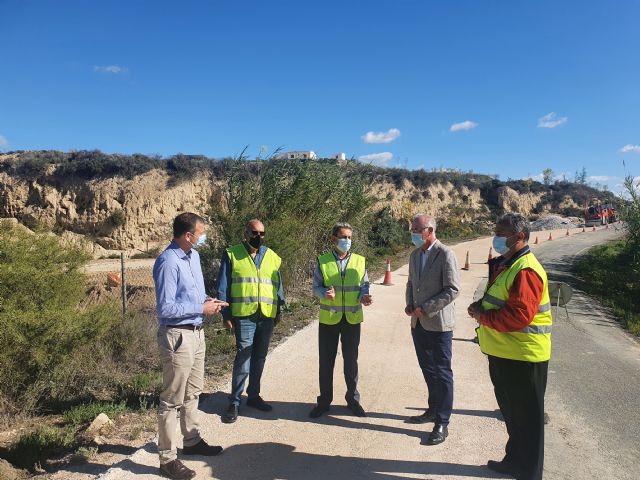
[[202, 448], [502, 467], [318, 410], [357, 409], [438, 435], [259, 403], [426, 417], [177, 470], [231, 415]]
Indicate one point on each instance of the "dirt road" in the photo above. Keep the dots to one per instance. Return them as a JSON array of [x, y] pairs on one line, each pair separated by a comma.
[[286, 444]]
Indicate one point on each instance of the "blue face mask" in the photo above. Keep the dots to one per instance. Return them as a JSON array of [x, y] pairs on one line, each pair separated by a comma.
[[344, 244], [500, 244], [416, 239], [201, 241]]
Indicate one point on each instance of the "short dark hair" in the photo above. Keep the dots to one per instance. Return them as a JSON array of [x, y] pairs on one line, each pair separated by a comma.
[[517, 223], [186, 222]]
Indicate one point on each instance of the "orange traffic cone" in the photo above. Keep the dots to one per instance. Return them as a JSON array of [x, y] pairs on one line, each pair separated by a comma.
[[550, 237], [567, 234], [490, 255], [466, 262], [387, 275], [536, 242]]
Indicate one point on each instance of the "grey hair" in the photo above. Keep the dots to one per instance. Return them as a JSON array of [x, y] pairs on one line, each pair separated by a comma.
[[516, 222], [431, 222], [339, 226]]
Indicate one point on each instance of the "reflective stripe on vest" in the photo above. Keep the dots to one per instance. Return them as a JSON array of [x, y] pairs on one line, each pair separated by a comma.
[[532, 343], [252, 288], [347, 288]]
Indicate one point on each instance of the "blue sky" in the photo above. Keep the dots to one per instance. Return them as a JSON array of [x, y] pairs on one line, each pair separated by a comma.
[[499, 87]]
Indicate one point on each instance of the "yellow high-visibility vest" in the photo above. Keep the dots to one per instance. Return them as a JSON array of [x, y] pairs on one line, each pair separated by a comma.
[[253, 288], [347, 288], [532, 343]]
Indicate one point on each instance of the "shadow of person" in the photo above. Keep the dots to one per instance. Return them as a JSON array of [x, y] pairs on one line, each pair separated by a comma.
[[270, 461], [338, 416], [299, 412]]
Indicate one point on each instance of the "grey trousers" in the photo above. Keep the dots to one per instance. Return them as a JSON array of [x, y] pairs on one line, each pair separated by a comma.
[[182, 357]]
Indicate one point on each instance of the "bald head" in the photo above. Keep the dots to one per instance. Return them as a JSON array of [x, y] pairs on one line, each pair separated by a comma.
[[254, 234], [254, 225]]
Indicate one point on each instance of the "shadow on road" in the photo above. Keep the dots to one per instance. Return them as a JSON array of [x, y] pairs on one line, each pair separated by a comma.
[[282, 461], [217, 403]]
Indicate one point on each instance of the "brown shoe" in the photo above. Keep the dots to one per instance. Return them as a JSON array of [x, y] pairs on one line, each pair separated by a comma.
[[177, 470]]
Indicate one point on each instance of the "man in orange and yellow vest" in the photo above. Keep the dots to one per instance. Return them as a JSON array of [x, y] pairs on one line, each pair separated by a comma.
[[515, 332], [341, 283]]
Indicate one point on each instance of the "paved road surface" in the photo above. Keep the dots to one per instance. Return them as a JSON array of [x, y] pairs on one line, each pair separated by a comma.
[[286, 444], [593, 395]]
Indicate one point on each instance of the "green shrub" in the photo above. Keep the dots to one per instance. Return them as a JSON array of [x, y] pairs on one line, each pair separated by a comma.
[[387, 233], [87, 412], [85, 454], [299, 203], [141, 390], [117, 218], [40, 288], [52, 352], [220, 342], [43, 443], [611, 273]]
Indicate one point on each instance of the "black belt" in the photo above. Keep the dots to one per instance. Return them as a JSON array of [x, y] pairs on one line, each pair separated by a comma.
[[189, 326]]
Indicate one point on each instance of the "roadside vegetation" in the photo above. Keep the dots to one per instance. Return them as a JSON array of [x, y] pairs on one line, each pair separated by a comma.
[[611, 272]]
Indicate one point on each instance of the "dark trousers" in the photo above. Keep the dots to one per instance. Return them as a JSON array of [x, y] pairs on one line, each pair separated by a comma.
[[328, 336], [433, 350], [520, 388], [252, 344]]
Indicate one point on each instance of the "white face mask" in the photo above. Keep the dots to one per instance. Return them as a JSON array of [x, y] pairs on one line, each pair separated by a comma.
[[202, 239], [417, 240], [344, 244], [500, 244]]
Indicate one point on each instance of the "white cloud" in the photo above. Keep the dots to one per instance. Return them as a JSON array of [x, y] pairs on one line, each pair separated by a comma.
[[466, 125], [381, 159], [551, 120], [381, 137], [630, 148], [3, 142], [601, 178], [115, 69]]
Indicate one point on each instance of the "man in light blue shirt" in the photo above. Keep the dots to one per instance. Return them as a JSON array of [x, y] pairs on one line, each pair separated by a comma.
[[182, 304]]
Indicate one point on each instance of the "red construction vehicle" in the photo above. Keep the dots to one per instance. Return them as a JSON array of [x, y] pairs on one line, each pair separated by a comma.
[[597, 213]]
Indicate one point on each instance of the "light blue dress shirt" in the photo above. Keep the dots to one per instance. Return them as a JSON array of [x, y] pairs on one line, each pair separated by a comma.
[[179, 287]]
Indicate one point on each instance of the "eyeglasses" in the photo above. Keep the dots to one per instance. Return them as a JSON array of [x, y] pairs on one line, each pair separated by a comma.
[[418, 230], [256, 232]]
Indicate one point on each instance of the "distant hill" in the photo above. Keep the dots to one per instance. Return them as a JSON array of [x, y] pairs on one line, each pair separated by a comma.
[[108, 202]]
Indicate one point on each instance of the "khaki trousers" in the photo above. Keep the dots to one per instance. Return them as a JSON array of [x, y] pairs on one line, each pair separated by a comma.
[[182, 356]]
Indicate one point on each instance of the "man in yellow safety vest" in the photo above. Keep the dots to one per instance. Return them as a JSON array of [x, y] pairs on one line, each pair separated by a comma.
[[515, 332], [341, 283], [249, 280]]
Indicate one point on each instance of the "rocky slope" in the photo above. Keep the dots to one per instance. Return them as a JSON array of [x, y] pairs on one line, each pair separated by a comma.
[[112, 213]]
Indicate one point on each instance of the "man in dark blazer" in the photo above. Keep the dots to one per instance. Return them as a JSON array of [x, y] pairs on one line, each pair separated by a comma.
[[433, 285]]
